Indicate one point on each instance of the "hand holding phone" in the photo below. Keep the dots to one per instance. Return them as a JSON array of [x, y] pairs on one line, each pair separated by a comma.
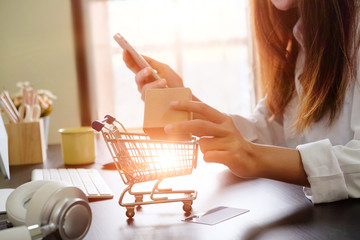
[[135, 55]]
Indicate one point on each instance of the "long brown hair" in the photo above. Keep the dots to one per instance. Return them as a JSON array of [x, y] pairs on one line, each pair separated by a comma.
[[330, 44]]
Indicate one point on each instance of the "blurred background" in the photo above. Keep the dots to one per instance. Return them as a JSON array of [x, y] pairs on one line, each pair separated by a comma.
[[66, 47]]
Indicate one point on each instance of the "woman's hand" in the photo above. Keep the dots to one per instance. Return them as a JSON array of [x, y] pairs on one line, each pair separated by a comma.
[[220, 141], [144, 78]]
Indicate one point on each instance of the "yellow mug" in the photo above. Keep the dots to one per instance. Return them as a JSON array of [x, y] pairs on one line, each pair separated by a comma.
[[78, 145]]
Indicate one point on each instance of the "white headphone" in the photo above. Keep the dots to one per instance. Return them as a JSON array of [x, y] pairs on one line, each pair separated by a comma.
[[44, 207]]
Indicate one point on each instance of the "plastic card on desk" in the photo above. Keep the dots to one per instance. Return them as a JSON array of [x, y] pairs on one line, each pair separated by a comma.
[[215, 215]]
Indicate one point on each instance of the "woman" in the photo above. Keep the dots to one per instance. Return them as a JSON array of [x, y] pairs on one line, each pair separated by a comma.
[[306, 130]]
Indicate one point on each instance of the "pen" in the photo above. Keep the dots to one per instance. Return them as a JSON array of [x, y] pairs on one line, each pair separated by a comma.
[[6, 96], [8, 111]]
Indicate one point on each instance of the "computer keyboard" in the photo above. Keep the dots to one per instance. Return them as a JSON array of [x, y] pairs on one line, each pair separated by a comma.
[[88, 180]]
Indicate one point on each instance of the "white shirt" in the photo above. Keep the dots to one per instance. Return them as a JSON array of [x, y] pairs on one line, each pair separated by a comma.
[[330, 154]]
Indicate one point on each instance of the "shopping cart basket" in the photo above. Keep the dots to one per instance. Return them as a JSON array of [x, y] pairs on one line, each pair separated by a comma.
[[140, 159]]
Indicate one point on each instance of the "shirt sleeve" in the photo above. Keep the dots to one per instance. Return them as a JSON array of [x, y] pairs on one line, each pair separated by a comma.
[[259, 128], [334, 171]]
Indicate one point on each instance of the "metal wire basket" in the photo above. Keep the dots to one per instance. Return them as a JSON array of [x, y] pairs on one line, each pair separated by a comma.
[[140, 159]]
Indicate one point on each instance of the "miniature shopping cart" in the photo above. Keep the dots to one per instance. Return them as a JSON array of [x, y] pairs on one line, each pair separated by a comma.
[[141, 159]]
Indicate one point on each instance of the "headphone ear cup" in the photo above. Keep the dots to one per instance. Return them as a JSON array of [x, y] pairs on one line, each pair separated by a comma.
[[17, 202], [60, 207], [39, 202], [46, 198]]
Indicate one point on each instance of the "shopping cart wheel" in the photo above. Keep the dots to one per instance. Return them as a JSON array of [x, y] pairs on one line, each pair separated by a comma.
[[187, 206], [130, 212]]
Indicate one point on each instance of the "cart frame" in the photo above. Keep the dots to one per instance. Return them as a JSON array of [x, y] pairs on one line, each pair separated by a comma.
[[138, 159]]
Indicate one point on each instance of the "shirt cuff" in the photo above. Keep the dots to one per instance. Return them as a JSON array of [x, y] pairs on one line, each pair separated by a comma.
[[324, 174]]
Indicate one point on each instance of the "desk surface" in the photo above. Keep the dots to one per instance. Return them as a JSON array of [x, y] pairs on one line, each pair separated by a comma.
[[277, 210]]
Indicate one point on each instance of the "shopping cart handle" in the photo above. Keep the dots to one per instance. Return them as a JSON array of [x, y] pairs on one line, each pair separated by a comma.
[[109, 119], [97, 125]]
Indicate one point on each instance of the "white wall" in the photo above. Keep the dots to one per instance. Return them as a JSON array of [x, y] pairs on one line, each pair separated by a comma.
[[36, 45]]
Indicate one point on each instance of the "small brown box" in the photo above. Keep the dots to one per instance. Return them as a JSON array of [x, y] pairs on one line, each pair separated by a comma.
[[26, 143], [158, 113]]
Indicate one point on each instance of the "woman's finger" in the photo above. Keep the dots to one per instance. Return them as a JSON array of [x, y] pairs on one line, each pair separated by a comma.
[[196, 127], [154, 64], [135, 68], [143, 77], [161, 83], [213, 143], [163, 70], [130, 63], [201, 108], [215, 156]]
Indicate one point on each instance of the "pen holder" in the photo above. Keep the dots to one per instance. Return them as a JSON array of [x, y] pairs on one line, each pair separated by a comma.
[[26, 142]]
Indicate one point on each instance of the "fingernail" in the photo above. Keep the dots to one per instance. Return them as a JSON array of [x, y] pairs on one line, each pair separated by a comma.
[[168, 128], [145, 72], [162, 83], [148, 71]]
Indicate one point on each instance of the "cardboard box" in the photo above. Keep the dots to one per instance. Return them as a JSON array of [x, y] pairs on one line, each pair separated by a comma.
[[26, 142], [158, 113]]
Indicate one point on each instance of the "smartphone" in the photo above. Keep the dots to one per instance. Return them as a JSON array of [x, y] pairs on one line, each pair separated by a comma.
[[136, 56]]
